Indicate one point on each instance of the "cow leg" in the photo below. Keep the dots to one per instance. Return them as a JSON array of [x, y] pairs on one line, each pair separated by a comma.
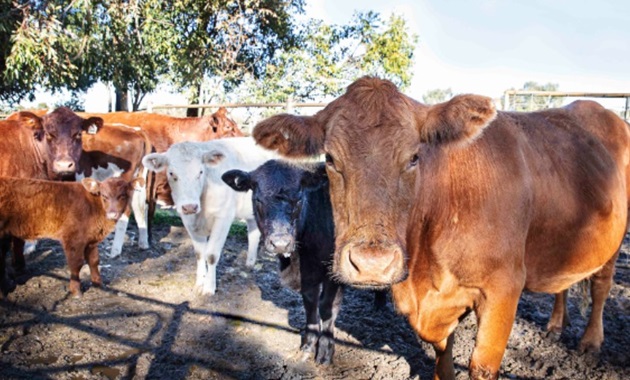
[[444, 368], [601, 282], [253, 239], [495, 317], [329, 305], [212, 254], [91, 257], [119, 234], [75, 258], [6, 284], [18, 261], [559, 316], [199, 246], [310, 299], [139, 205]]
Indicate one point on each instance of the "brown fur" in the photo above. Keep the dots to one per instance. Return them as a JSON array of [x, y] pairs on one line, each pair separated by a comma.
[[460, 208], [78, 215]]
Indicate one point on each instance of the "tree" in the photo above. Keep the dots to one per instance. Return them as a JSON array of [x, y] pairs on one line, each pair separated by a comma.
[[524, 103], [437, 96], [9, 18], [329, 57], [85, 41]]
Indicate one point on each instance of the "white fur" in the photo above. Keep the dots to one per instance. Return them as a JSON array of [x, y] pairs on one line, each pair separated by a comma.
[[194, 183]]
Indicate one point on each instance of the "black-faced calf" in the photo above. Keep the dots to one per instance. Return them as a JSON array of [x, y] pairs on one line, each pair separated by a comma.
[[293, 212]]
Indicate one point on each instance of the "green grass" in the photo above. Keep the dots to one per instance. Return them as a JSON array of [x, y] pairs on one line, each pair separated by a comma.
[[170, 218]]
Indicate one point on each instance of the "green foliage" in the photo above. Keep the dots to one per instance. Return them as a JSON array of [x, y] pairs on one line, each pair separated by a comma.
[[329, 57], [250, 49], [437, 95], [170, 218]]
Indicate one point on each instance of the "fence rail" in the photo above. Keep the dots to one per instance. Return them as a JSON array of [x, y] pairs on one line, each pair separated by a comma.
[[534, 100], [288, 105]]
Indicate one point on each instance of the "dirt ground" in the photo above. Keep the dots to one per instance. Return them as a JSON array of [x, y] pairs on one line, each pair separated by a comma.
[[148, 323]]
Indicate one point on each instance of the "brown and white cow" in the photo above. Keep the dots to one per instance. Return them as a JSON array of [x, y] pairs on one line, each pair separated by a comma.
[[117, 151], [165, 130], [79, 215], [459, 207]]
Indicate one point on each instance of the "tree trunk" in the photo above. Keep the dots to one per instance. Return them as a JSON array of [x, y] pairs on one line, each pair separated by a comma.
[[194, 99], [122, 99]]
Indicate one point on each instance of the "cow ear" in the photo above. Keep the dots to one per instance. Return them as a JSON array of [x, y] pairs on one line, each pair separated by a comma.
[[291, 135], [30, 120], [212, 158], [237, 180], [313, 180], [91, 185], [92, 125], [461, 119], [138, 183], [156, 162]]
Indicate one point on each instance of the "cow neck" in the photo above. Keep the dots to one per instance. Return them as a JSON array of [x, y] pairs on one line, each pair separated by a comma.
[[39, 155]]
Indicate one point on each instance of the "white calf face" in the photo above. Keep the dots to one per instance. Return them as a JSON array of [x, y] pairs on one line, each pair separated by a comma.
[[186, 178]]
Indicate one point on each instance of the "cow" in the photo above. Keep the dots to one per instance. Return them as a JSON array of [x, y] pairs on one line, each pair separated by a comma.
[[117, 151], [204, 202], [78, 215], [165, 130], [42, 147], [293, 212], [460, 208]]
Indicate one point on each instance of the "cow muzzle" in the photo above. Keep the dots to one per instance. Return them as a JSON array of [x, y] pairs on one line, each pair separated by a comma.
[[280, 244], [370, 265], [64, 167], [190, 209], [113, 215]]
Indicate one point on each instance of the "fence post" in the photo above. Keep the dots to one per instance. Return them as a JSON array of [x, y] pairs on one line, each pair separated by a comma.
[[506, 101], [626, 115], [150, 106], [290, 104]]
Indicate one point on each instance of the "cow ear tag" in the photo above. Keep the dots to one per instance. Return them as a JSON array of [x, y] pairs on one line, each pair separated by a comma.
[[92, 129]]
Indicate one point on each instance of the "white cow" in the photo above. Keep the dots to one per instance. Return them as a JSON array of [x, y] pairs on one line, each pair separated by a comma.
[[204, 202]]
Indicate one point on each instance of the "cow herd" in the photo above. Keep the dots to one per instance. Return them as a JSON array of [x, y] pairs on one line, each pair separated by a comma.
[[455, 208]]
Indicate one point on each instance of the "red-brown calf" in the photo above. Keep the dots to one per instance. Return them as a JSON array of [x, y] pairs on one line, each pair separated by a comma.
[[78, 215]]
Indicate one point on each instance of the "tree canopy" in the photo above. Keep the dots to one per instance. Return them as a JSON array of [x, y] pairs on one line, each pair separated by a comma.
[[256, 47]]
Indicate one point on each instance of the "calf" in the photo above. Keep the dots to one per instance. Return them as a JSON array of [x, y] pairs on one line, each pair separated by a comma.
[[204, 202], [78, 215], [117, 151], [293, 212]]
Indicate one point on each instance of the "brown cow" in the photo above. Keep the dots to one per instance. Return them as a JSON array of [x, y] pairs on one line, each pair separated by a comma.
[[460, 208], [49, 147], [45, 147], [79, 215], [164, 131]]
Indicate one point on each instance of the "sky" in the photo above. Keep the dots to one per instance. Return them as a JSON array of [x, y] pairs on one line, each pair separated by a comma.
[[489, 46]]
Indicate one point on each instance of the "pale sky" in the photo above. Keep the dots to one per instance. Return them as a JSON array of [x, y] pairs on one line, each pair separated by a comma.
[[488, 46]]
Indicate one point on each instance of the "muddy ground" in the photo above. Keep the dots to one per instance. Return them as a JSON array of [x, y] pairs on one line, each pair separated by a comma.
[[147, 323]]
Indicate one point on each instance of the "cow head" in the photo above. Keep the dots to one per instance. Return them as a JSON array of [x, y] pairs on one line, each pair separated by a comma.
[[375, 140], [186, 165], [278, 194], [222, 126], [58, 136], [115, 193]]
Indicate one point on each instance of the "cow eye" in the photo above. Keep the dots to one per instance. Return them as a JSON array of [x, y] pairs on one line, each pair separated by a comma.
[[330, 162], [413, 162]]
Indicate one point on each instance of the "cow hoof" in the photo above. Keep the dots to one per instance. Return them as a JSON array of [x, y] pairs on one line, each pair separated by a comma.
[[143, 246], [114, 253], [7, 286], [589, 348], [250, 263]]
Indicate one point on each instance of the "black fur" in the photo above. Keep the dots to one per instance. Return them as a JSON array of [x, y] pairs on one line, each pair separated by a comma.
[[293, 211]]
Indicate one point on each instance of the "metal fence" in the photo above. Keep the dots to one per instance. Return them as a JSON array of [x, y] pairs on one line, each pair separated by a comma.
[[536, 100]]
